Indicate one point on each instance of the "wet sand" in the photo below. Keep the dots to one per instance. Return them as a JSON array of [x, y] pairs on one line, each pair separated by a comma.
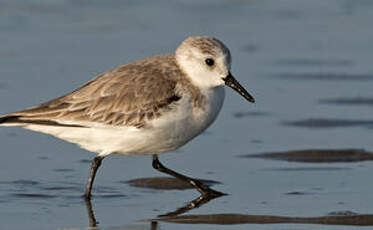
[[300, 158]]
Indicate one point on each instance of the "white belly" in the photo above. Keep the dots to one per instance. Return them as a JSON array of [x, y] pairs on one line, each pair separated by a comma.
[[166, 133]]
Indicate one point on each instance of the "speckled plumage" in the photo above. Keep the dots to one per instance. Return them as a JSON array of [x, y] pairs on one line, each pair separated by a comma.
[[128, 95]]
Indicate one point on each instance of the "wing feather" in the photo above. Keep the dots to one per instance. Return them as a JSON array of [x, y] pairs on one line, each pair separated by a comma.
[[128, 95]]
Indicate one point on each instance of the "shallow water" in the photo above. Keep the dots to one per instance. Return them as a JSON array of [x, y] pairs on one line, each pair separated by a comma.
[[307, 63]]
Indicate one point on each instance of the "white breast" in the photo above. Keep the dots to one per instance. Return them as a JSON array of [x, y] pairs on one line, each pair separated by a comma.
[[180, 126]]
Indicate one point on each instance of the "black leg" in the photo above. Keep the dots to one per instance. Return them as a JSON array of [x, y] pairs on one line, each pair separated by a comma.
[[95, 165], [202, 188]]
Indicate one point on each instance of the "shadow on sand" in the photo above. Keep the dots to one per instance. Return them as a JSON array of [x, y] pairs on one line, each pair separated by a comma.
[[230, 219], [165, 183], [317, 155]]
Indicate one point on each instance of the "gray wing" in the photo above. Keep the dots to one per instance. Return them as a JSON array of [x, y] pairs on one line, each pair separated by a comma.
[[128, 95]]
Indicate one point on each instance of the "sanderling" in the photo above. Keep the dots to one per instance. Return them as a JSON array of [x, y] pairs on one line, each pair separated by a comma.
[[150, 106]]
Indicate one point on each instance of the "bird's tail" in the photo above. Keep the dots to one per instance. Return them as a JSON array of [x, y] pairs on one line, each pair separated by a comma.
[[19, 120], [8, 119]]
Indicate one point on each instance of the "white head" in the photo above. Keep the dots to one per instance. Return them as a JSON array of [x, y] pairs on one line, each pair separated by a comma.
[[207, 61]]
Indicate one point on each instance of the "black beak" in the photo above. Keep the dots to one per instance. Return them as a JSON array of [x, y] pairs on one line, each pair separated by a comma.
[[233, 83]]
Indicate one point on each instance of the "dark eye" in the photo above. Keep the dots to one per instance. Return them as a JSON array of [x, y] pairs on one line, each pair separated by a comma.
[[209, 61]]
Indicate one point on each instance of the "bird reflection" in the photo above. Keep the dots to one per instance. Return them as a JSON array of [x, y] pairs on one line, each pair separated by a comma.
[[196, 203], [343, 218]]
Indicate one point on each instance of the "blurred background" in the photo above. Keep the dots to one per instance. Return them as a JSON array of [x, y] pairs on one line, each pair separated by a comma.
[[307, 63]]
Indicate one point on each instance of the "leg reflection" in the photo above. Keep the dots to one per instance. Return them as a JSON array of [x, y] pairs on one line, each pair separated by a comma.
[[91, 216], [198, 202]]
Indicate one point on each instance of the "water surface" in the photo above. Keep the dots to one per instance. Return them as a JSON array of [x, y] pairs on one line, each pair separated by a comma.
[[305, 62]]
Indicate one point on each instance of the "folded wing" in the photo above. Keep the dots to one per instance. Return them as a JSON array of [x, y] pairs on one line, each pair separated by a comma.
[[129, 95]]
